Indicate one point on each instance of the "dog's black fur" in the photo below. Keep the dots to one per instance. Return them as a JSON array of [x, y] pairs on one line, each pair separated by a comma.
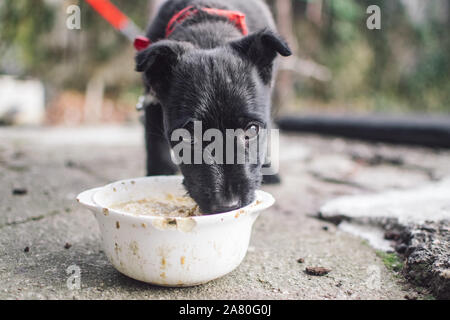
[[208, 71]]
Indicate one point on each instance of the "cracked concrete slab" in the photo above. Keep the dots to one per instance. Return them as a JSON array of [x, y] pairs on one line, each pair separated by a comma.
[[46, 218], [426, 203], [417, 219]]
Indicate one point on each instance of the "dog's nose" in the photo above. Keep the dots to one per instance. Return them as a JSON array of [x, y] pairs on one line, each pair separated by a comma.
[[223, 206]]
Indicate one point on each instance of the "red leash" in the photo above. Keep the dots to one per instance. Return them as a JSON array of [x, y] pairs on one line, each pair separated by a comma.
[[121, 22], [127, 27], [110, 13]]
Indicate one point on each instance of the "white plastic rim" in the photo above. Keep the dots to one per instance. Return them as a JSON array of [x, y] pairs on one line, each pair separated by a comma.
[[159, 186]]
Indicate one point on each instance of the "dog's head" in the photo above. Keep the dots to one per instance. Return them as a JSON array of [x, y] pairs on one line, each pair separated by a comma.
[[225, 88]]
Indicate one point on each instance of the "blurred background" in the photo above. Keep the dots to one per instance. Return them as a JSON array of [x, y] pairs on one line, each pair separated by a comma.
[[50, 75]]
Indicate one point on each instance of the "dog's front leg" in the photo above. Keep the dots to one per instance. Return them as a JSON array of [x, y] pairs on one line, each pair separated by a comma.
[[158, 152]]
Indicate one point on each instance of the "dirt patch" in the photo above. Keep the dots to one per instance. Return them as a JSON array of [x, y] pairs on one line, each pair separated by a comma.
[[317, 271]]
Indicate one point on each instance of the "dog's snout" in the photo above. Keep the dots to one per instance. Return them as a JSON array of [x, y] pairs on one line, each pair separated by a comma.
[[222, 204], [222, 208]]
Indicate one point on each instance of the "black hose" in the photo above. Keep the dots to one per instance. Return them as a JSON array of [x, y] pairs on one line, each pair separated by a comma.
[[423, 131]]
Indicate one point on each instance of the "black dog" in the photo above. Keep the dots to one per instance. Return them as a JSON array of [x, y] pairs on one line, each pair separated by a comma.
[[207, 70]]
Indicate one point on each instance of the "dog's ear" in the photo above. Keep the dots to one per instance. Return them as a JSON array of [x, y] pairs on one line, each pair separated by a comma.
[[261, 49], [158, 61]]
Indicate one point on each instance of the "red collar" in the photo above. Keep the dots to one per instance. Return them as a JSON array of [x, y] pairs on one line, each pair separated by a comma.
[[236, 17]]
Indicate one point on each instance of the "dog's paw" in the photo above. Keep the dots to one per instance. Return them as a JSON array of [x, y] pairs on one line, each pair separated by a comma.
[[272, 179]]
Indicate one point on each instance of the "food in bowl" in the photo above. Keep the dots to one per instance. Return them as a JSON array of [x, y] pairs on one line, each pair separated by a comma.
[[168, 206]]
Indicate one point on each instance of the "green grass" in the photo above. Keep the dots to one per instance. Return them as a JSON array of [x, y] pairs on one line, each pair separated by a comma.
[[391, 260]]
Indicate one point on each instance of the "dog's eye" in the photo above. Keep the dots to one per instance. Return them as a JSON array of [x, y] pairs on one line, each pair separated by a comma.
[[252, 131]]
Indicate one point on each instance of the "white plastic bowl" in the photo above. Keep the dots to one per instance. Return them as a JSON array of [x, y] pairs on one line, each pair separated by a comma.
[[175, 252]]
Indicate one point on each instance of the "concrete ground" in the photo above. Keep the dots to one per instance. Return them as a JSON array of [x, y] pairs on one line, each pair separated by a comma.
[[43, 231]]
